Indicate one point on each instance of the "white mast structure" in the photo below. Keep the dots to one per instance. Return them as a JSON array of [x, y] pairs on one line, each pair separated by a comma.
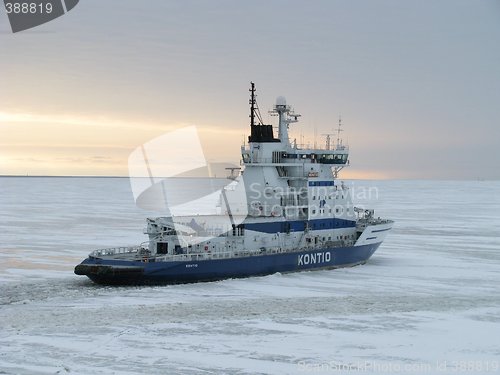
[[286, 117]]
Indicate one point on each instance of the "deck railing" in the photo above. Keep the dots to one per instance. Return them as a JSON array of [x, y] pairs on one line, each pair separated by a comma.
[[248, 253], [115, 251]]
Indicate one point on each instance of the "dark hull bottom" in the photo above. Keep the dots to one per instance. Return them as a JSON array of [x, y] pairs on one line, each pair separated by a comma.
[[116, 272]]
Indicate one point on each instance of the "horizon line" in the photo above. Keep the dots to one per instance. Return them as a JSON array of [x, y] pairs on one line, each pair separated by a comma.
[[373, 179]]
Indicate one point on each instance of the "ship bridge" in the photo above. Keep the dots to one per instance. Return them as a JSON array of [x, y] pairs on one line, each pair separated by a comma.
[[294, 156], [264, 149], [283, 178], [316, 156]]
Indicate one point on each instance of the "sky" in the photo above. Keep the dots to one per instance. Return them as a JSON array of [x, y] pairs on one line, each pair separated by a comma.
[[417, 83]]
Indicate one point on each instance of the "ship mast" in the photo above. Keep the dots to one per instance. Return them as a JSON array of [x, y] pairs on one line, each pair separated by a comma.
[[252, 104], [286, 116], [339, 129], [328, 140]]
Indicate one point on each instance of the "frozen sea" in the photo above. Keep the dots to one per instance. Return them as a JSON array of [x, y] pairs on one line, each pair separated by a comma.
[[427, 302]]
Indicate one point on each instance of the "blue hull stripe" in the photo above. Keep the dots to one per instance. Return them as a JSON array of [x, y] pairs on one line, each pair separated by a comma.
[[299, 225], [218, 269], [321, 183], [380, 230]]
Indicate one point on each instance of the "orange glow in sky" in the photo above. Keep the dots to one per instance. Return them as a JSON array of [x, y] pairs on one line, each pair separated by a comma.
[[417, 87]]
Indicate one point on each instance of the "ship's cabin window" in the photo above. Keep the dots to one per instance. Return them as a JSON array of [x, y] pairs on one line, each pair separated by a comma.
[[162, 247], [333, 158], [178, 249]]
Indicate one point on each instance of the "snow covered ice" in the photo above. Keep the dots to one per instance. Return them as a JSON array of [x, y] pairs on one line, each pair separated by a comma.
[[426, 302]]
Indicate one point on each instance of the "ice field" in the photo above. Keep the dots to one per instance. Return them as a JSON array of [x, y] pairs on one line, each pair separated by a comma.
[[428, 301]]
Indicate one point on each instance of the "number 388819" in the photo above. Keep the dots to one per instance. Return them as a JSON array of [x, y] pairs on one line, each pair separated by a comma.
[[28, 8]]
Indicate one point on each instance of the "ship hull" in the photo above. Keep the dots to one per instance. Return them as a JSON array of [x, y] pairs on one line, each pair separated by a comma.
[[120, 272]]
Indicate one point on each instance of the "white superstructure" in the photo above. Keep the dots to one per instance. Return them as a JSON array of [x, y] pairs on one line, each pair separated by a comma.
[[293, 202]]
